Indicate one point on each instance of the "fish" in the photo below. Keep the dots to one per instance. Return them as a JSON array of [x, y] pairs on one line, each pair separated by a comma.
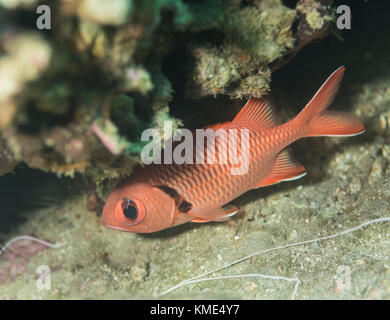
[[161, 196]]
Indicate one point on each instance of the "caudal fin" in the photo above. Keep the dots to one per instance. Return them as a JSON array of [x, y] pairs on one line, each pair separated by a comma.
[[319, 122]]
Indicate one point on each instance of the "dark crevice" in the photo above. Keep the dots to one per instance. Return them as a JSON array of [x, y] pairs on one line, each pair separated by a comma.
[[167, 17], [290, 3], [38, 120], [175, 68], [26, 190], [245, 3]]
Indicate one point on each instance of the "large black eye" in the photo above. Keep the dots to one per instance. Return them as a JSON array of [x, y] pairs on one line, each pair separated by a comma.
[[130, 211]]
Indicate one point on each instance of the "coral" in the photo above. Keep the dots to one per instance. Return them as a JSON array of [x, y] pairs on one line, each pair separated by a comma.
[[111, 12], [7, 162], [255, 36], [77, 97]]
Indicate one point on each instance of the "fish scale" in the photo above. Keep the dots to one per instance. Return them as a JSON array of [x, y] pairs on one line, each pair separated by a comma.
[[214, 178]]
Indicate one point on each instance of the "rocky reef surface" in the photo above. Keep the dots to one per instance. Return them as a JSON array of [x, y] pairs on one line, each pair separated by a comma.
[[76, 97], [74, 100]]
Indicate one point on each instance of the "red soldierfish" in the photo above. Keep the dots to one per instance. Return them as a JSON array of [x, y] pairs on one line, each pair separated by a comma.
[[161, 196]]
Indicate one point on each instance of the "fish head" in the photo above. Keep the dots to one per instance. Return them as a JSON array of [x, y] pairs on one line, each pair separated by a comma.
[[138, 207]]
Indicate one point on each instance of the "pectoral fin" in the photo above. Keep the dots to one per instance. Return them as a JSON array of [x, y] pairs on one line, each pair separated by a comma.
[[285, 168], [202, 215]]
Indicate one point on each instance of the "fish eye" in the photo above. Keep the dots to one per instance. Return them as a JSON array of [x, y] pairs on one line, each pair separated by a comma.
[[130, 211]]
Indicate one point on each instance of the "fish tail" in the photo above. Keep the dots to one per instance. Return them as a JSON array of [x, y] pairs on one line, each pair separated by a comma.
[[317, 121]]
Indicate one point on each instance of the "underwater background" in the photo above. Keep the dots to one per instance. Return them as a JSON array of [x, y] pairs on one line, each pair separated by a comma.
[[75, 98]]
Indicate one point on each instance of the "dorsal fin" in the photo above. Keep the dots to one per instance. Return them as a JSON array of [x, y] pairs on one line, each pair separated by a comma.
[[217, 126], [285, 168], [259, 111]]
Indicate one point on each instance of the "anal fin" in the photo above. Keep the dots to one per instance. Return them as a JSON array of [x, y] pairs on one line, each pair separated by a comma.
[[285, 168], [202, 215]]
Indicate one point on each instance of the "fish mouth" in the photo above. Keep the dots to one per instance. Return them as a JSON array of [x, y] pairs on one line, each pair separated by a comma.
[[114, 227]]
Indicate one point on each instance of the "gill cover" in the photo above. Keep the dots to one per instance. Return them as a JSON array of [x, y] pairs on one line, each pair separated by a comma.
[[138, 207]]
